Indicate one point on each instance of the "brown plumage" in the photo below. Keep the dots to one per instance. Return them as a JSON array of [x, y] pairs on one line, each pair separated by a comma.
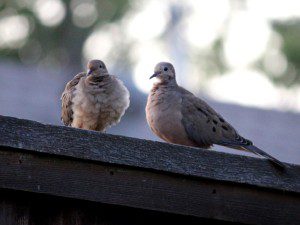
[[94, 100], [177, 116]]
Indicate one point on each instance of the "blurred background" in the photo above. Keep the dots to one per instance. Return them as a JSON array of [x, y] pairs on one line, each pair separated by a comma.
[[242, 56]]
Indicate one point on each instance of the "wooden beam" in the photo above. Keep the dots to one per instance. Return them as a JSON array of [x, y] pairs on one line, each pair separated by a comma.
[[143, 174], [136, 188], [64, 141]]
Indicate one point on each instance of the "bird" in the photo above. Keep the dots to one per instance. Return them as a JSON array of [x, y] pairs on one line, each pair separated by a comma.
[[94, 100], [177, 116]]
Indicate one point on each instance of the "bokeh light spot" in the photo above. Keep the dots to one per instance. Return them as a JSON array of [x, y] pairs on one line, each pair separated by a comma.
[[146, 56], [14, 30], [50, 12], [246, 39], [245, 87], [148, 21], [84, 14]]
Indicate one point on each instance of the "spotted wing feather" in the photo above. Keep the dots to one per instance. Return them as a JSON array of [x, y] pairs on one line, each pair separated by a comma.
[[205, 126]]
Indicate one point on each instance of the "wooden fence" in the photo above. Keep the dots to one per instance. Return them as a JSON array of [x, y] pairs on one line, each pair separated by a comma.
[[60, 175]]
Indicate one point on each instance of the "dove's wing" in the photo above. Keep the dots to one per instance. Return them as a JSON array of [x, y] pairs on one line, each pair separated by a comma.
[[66, 99], [205, 126]]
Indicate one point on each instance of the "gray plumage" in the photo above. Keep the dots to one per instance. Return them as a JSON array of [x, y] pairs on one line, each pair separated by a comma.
[[66, 99], [177, 116], [94, 100]]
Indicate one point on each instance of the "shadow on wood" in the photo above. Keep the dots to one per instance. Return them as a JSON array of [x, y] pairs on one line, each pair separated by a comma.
[[20, 208]]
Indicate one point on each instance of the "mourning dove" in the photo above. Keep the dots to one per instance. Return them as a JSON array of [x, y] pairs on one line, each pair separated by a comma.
[[94, 100], [177, 116]]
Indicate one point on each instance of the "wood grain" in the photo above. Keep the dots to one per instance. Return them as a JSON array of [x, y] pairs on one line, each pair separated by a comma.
[[28, 135], [133, 187]]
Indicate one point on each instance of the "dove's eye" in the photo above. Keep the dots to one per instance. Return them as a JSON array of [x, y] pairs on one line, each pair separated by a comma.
[[165, 69], [100, 66]]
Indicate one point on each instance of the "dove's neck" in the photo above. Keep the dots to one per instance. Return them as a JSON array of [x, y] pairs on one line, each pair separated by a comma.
[[97, 79], [167, 83], [163, 86]]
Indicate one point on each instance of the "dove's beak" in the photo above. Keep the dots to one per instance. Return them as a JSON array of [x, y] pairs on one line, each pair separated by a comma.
[[89, 71], [154, 75]]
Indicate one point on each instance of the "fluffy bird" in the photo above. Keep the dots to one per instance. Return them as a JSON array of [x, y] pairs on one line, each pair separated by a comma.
[[177, 116], [94, 100]]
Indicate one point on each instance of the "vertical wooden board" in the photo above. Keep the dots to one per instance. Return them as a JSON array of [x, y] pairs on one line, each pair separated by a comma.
[[14, 212], [50, 210]]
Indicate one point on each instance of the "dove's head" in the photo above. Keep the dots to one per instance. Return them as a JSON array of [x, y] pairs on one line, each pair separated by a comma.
[[165, 72], [96, 67]]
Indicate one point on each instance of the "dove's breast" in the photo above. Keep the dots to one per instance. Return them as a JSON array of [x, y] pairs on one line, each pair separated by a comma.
[[99, 106], [163, 113]]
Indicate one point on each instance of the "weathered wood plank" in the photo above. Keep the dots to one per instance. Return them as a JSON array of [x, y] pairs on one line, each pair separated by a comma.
[[12, 213], [65, 141], [50, 210], [118, 185]]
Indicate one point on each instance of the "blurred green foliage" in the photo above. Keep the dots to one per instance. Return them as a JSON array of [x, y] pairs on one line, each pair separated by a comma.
[[290, 33], [61, 43]]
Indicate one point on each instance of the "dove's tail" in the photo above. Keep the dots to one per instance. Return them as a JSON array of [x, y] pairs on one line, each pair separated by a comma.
[[260, 152]]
